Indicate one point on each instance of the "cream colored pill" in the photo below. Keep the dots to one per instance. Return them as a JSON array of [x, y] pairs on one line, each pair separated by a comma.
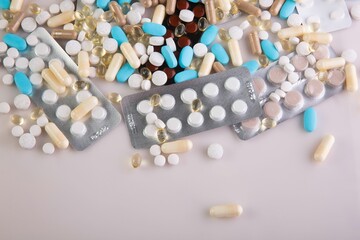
[[61, 19], [60, 73], [179, 146], [235, 53], [16, 5], [130, 55], [114, 67], [206, 64], [226, 211], [351, 77], [159, 14], [52, 81], [330, 63], [83, 64], [293, 32], [319, 37], [84, 108], [324, 148], [56, 136]]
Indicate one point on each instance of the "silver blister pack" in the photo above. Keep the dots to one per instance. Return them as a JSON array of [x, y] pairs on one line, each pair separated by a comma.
[[95, 128], [136, 122], [253, 127]]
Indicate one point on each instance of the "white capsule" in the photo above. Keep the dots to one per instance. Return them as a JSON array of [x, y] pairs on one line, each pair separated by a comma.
[[278, 46], [22, 102], [4, 107], [17, 131], [35, 130], [156, 41], [150, 50], [215, 151], [143, 59], [280, 93], [48, 148], [81, 36], [27, 141], [63, 112]]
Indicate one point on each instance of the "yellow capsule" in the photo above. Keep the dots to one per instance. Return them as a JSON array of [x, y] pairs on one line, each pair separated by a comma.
[[265, 24], [36, 113], [322, 75], [145, 39], [253, 20], [56, 136], [84, 108], [90, 24], [287, 45], [203, 24], [114, 97], [97, 40], [267, 123], [136, 32], [276, 6], [226, 211], [234, 9], [318, 37], [145, 73], [196, 105], [219, 13], [80, 85], [107, 16], [206, 65], [86, 10], [170, 7], [114, 66], [224, 34], [79, 16], [34, 8], [130, 55], [155, 100], [98, 51], [136, 160], [195, 64], [235, 54], [126, 7], [60, 73], [8, 15], [255, 43], [351, 77], [323, 149], [178, 146], [52, 81], [162, 135], [78, 26], [16, 5], [263, 60], [101, 70], [296, 31], [61, 19], [14, 25], [83, 64], [210, 11], [17, 119]]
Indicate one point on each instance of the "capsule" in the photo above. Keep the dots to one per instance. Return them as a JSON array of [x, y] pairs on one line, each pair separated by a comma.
[[248, 8], [220, 53], [15, 41], [60, 73], [64, 34], [330, 63], [179, 146], [226, 211], [56, 136], [209, 35], [4, 4], [169, 56], [218, 67], [119, 35], [255, 43], [16, 5], [210, 11], [324, 148], [235, 54], [102, 3], [310, 119], [185, 75], [287, 9], [84, 108], [130, 55], [252, 66], [61, 19], [14, 25], [114, 67], [83, 64], [269, 50], [124, 73], [170, 7], [52, 81], [296, 31], [276, 6], [118, 14], [351, 77], [154, 29], [23, 83], [186, 56], [159, 14], [136, 160], [206, 65], [318, 37]]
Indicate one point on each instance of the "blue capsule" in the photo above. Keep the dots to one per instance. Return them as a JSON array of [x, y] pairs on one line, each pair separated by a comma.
[[154, 29], [310, 119], [252, 66], [185, 75], [186, 56], [121, 2], [209, 35], [220, 53], [287, 9], [269, 50], [102, 4], [4, 4], [23, 83], [169, 56], [124, 73], [119, 35], [194, 1], [15, 41]]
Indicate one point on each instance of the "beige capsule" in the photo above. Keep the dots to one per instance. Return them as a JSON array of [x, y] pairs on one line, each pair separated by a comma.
[[178, 146], [83, 64], [226, 211], [170, 7], [60, 73], [210, 11], [276, 6], [255, 43], [296, 31], [130, 55], [330, 63], [218, 67], [118, 14], [159, 14], [64, 34], [318, 37], [14, 24], [235, 54], [114, 67], [52, 81], [324, 148], [16, 5], [351, 77], [84, 108], [248, 8], [206, 64], [61, 19], [56, 136]]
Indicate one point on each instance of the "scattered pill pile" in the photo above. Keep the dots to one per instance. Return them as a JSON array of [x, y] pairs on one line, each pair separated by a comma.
[[292, 69]]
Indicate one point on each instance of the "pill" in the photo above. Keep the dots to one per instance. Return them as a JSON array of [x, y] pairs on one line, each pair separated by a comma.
[[3, 24], [239, 107], [280, 92], [218, 67], [12, 52], [23, 83], [48, 148], [36, 64], [144, 107], [235, 54], [232, 84], [294, 20], [351, 77], [318, 37], [186, 56], [293, 100], [287, 9], [178, 146], [5, 4], [274, 97], [269, 50], [150, 118], [185, 75], [206, 64], [273, 110], [293, 77], [98, 113], [4, 107], [49, 96], [114, 67], [275, 27], [16, 5], [226, 211], [195, 119], [52, 81], [14, 25], [171, 43], [130, 55], [349, 55], [8, 62], [61, 19], [63, 112], [17, 131], [169, 56], [259, 86], [124, 73], [186, 15], [314, 89], [173, 159], [54, 8], [154, 29], [78, 129], [310, 119], [188, 95], [42, 17], [73, 47], [82, 96], [263, 35], [209, 35], [27, 141], [159, 160], [156, 59], [146, 85], [150, 131], [220, 53], [355, 11], [248, 8], [135, 80], [330, 63], [217, 113], [159, 13], [300, 63], [83, 64], [289, 68], [15, 41], [3, 47], [173, 125], [22, 63], [303, 49], [210, 11], [310, 73], [255, 43], [28, 24], [42, 121], [159, 124], [167, 102], [321, 52], [337, 14], [311, 59], [156, 41], [323, 149], [252, 66], [119, 35], [36, 79], [215, 151], [296, 31], [83, 108], [210, 90], [35, 130], [155, 150], [276, 6]]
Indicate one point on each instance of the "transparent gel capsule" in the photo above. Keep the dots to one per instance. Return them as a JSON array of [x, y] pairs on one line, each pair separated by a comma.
[[97, 40], [127, 28], [36, 113], [265, 24], [322, 75], [162, 135], [80, 85], [98, 51], [155, 100], [8, 15], [263, 60], [267, 123], [17, 119], [195, 64], [224, 34], [234, 9], [107, 16], [179, 30], [196, 105], [136, 160], [86, 10], [287, 46], [79, 16], [253, 20], [34, 8], [114, 97], [219, 13], [90, 35], [106, 59], [203, 24], [145, 39], [145, 73], [101, 70], [125, 7], [89, 24], [78, 26], [136, 32]]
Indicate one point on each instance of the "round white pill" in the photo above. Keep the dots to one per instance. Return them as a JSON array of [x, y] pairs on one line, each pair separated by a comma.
[[8, 79], [159, 124], [232, 84], [263, 35], [28, 24], [173, 159], [135, 80], [146, 85], [293, 77], [355, 11], [294, 40], [90, 2], [159, 78], [63, 112], [49, 96], [289, 68], [350, 55], [94, 60], [97, 12], [36, 79], [195, 119], [67, 5], [217, 113], [244, 25], [239, 107], [22, 102], [3, 24], [150, 118], [36, 64], [186, 15], [3, 47], [265, 4], [98, 113], [215, 151], [310, 73], [284, 60], [303, 49], [133, 17], [210, 90], [42, 121], [171, 44], [17, 131], [140, 49], [48, 148], [69, 26], [83, 95], [337, 14], [56, 60], [42, 50], [103, 28], [155, 150], [313, 20], [4, 107], [35, 130], [265, 15], [236, 32], [78, 129], [27, 141], [73, 47], [274, 97], [156, 59], [280, 93], [12, 52], [167, 102], [144, 107], [21, 63], [200, 50], [32, 40], [88, 45], [42, 17], [188, 95], [286, 86], [173, 125], [294, 20], [8, 62], [150, 131], [275, 27], [137, 6], [159, 160], [54, 8]]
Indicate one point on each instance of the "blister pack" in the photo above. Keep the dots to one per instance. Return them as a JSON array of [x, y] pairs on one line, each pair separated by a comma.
[[285, 93], [190, 107], [76, 106]]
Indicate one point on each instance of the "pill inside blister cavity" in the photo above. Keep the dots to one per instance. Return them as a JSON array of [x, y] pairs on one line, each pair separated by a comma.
[[78, 129], [315, 89], [195, 119], [273, 110], [188, 95], [276, 75], [144, 107], [63, 112], [210, 90], [49, 96], [300, 63], [98, 113], [239, 107], [173, 125], [293, 100], [232, 84], [150, 131], [167, 102], [196, 105], [42, 50], [335, 78], [259, 86], [217, 113], [82, 96]]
